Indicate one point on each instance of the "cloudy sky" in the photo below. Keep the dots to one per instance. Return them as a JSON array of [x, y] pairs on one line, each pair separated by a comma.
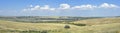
[[87, 8]]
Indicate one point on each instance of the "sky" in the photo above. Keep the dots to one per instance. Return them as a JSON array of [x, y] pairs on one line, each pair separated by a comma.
[[84, 8]]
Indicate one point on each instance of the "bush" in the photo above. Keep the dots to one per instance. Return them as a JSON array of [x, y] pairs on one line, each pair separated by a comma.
[[44, 31], [67, 27], [78, 24]]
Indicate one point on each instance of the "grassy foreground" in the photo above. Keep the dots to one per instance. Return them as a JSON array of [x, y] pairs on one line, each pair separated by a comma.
[[20, 27]]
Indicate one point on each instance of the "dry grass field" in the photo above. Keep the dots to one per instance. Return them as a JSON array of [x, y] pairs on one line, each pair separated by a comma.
[[102, 25]]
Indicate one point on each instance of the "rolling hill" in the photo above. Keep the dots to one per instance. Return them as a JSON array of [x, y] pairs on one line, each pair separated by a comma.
[[43, 19], [102, 25], [98, 21]]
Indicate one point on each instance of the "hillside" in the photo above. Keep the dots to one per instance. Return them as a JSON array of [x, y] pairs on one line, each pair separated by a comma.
[[8, 26], [43, 19], [98, 21], [103, 25], [30, 26]]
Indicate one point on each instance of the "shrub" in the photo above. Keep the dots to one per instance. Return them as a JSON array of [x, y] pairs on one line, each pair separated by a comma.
[[80, 24], [44, 31], [67, 27]]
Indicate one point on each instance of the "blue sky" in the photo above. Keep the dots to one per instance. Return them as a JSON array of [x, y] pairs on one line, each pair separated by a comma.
[[87, 8]]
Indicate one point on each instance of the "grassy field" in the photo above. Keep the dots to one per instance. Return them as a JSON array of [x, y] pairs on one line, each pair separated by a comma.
[[102, 25], [98, 21]]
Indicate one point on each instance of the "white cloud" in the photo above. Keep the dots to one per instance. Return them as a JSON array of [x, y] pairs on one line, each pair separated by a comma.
[[84, 7], [106, 5], [76, 7], [68, 7], [31, 5], [64, 6], [45, 7], [88, 6], [37, 7], [52, 9]]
